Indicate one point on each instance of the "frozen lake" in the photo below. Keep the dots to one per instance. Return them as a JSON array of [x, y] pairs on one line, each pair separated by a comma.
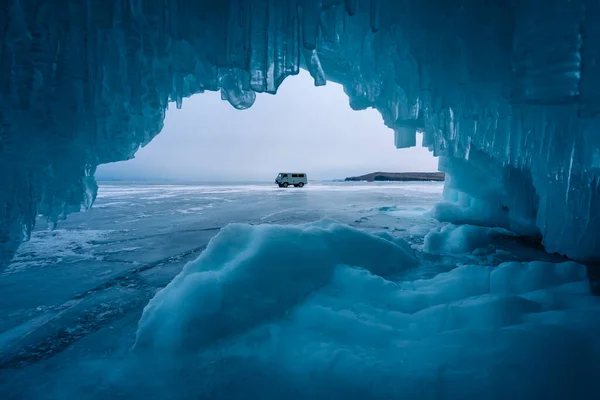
[[73, 297]]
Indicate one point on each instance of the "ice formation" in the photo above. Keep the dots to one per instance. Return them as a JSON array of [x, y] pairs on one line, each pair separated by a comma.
[[507, 88], [452, 239], [252, 274], [321, 311]]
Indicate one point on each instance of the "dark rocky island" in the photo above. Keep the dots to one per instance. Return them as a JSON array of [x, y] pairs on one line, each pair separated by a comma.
[[398, 176]]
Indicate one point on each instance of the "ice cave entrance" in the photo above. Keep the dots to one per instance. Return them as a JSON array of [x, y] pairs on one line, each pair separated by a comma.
[[506, 94], [302, 127]]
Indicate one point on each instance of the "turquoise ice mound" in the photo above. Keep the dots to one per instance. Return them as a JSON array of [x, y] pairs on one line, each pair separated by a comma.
[[253, 274], [319, 311]]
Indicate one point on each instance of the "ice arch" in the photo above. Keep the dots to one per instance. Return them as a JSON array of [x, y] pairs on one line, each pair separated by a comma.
[[507, 92]]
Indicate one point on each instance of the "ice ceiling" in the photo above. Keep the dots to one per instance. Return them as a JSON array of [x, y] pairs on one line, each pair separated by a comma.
[[507, 92]]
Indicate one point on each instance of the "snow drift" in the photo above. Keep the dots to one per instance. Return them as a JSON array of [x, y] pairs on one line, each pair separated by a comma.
[[506, 88], [304, 312]]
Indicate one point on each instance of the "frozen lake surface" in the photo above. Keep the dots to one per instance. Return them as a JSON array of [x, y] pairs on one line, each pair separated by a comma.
[[455, 304]]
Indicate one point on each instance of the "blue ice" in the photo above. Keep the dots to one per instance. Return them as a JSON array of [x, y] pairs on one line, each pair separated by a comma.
[[321, 311]]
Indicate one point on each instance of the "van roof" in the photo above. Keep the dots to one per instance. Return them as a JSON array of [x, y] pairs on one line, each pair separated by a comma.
[[293, 173]]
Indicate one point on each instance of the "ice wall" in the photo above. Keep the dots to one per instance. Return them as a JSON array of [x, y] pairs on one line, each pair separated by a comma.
[[515, 82]]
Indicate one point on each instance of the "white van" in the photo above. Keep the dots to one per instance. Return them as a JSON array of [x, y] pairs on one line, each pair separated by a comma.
[[285, 179]]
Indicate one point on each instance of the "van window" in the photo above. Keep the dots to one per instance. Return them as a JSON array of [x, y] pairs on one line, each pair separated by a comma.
[[284, 176], [301, 175], [294, 175]]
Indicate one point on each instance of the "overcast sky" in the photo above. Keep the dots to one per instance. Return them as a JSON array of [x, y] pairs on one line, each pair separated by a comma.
[[302, 128]]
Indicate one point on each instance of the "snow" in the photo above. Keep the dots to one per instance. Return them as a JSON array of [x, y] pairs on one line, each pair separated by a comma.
[[86, 85]]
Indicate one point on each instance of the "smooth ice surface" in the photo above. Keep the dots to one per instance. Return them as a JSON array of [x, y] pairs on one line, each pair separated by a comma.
[[513, 85]]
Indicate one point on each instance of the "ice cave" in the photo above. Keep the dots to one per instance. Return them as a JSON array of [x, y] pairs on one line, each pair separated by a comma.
[[505, 92]]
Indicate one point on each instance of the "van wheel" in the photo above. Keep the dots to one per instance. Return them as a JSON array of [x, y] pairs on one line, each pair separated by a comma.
[[301, 184], [285, 184], [280, 185]]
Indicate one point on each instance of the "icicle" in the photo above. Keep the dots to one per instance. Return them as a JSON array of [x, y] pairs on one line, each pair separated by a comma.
[[284, 54], [374, 15], [569, 174], [405, 137], [259, 36], [90, 187], [238, 34], [178, 87], [311, 12], [231, 90], [350, 6], [314, 67]]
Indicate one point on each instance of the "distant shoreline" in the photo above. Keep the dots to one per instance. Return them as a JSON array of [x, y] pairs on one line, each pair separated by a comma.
[[398, 177]]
